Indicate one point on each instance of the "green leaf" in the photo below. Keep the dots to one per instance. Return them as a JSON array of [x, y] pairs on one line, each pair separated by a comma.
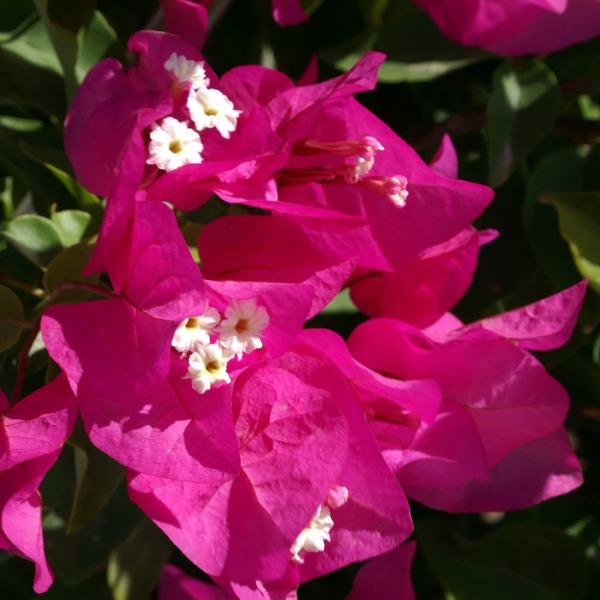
[[99, 40], [98, 477], [35, 237], [134, 569], [65, 44], [76, 557], [47, 155], [58, 164], [521, 111], [416, 49], [85, 200], [340, 304], [71, 15], [559, 171], [6, 198], [32, 85], [10, 308], [67, 266], [15, 17], [44, 186], [81, 36], [35, 47], [518, 562], [73, 226], [579, 218]]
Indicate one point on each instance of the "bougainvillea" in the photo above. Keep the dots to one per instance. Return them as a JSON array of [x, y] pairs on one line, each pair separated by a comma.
[[243, 343]]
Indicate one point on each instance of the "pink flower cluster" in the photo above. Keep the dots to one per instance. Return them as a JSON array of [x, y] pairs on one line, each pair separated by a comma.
[[271, 454]]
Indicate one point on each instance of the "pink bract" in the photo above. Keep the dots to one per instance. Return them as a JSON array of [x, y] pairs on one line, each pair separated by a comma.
[[543, 325], [386, 577], [187, 19], [287, 305], [421, 291], [120, 347], [32, 434], [170, 432], [515, 27], [300, 432], [288, 12], [497, 400], [176, 585], [325, 112], [270, 248]]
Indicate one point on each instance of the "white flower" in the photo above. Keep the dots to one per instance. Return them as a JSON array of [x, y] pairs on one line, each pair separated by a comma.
[[212, 108], [313, 537], [242, 328], [184, 70], [173, 144], [196, 331], [208, 366]]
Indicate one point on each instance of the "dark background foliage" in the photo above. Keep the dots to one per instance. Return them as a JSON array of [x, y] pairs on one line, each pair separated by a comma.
[[541, 155]]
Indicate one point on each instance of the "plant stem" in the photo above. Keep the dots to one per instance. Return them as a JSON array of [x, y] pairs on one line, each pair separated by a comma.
[[31, 289], [23, 360]]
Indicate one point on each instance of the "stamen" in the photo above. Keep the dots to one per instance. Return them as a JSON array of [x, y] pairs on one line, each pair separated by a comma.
[[365, 148], [392, 187]]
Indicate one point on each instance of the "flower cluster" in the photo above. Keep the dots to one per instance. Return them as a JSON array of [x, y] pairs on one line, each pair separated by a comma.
[[268, 452]]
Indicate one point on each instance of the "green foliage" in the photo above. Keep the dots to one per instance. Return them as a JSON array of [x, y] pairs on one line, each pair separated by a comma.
[[98, 477], [518, 562], [11, 309], [521, 111], [35, 237], [416, 50], [579, 216], [134, 569]]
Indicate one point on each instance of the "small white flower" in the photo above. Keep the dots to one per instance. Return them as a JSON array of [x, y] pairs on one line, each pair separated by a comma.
[[196, 331], [242, 328], [184, 70], [173, 144], [211, 108], [313, 537], [208, 366]]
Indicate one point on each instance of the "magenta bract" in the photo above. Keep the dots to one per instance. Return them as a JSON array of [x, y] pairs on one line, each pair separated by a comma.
[[497, 399], [300, 432], [120, 347], [32, 434], [288, 12], [515, 27], [421, 291], [170, 432], [386, 577], [270, 248]]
